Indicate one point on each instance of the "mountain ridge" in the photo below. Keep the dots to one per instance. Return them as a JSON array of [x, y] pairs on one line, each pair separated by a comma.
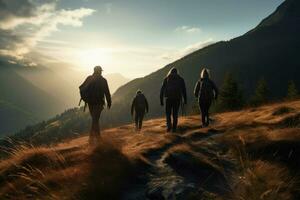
[[249, 57]]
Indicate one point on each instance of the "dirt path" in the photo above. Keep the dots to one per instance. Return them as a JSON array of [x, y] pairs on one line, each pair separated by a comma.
[[167, 179]]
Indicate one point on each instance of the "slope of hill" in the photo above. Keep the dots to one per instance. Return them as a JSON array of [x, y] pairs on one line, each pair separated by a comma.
[[115, 80], [251, 154], [22, 103], [63, 83], [270, 50], [32, 94]]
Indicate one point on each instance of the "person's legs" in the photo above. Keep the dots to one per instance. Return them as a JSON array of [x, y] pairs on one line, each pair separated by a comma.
[[136, 120], [175, 109], [207, 106], [202, 109], [95, 111], [92, 132], [141, 117], [168, 114], [97, 118]]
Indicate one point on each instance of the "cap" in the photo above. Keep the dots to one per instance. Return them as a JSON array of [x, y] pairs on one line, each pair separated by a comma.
[[98, 69]]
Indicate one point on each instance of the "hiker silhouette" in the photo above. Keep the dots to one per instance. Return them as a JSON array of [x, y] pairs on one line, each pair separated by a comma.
[[206, 91], [139, 107], [92, 92], [173, 90]]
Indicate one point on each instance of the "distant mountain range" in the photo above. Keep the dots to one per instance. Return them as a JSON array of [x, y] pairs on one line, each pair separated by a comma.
[[31, 94]]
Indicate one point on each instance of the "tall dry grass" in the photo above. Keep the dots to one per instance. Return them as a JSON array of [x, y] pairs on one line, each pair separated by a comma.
[[261, 179], [24, 172], [29, 172]]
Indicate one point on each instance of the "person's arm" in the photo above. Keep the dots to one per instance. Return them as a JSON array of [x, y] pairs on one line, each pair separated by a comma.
[[216, 91], [197, 89], [162, 92], [147, 105], [184, 92], [132, 106], [107, 95]]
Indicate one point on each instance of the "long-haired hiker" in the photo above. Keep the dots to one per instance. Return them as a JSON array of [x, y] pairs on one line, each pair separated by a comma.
[[206, 91]]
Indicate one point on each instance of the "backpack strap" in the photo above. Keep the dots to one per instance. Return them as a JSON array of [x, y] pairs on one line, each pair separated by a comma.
[[84, 107]]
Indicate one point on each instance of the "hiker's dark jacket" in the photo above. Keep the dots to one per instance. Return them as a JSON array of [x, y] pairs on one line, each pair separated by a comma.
[[97, 88], [173, 87], [206, 90], [139, 104]]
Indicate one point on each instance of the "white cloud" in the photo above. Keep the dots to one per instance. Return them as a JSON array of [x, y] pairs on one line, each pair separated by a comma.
[[177, 54], [188, 29], [20, 31], [194, 47]]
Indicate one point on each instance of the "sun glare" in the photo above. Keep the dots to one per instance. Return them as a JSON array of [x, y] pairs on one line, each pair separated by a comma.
[[91, 57]]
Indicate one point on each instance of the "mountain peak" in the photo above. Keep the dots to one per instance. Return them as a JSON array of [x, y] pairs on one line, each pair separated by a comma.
[[287, 13]]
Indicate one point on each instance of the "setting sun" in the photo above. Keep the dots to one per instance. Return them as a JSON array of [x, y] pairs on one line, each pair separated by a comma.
[[91, 57]]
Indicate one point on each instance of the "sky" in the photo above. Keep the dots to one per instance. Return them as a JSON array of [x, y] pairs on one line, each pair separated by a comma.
[[131, 37]]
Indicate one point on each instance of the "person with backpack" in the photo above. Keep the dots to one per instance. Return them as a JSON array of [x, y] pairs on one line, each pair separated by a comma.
[[139, 107], [206, 91], [92, 92], [173, 90]]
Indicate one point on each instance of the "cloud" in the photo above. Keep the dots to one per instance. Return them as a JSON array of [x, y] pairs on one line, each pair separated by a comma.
[[24, 23], [194, 47], [188, 29], [177, 54]]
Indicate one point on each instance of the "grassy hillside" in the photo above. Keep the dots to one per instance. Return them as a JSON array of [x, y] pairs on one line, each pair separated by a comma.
[[251, 154]]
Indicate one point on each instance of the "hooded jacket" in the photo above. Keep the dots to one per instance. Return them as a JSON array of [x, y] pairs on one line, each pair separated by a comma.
[[139, 103], [205, 90], [173, 87]]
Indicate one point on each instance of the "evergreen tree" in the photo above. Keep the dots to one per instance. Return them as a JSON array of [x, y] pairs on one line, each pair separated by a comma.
[[230, 97], [261, 94], [292, 92]]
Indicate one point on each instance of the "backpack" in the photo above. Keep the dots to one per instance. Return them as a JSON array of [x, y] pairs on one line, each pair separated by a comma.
[[206, 91], [140, 102], [173, 87], [91, 90]]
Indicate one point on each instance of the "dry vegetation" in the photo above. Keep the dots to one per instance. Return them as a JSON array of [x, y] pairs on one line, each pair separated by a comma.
[[246, 155]]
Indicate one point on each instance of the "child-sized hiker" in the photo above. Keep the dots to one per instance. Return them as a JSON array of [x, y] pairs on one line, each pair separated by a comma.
[[139, 107]]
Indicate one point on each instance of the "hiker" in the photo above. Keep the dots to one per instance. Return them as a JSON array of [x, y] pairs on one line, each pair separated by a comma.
[[206, 91], [173, 89], [139, 107], [92, 92]]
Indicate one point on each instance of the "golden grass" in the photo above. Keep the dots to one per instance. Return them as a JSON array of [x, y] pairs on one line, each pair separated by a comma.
[[44, 173], [259, 179], [71, 170]]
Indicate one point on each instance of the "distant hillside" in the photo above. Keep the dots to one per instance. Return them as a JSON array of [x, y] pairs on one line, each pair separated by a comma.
[[63, 82], [21, 102], [115, 80], [251, 154], [271, 50], [32, 94]]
